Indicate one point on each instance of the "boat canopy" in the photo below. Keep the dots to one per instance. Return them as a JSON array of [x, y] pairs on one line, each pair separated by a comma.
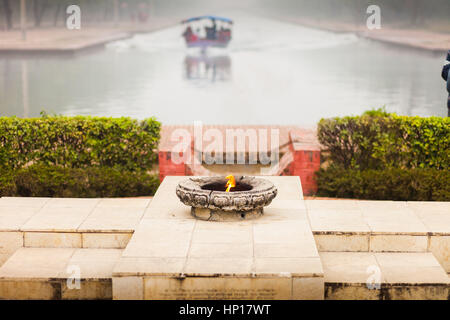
[[208, 17]]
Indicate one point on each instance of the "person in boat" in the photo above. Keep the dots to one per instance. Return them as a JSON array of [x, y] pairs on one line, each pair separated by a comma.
[[224, 33], [188, 34], [446, 77]]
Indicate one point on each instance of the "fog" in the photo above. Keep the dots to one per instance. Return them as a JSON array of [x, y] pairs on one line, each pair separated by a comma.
[[283, 65]]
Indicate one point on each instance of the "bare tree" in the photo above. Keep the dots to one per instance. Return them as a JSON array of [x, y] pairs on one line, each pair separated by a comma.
[[8, 14]]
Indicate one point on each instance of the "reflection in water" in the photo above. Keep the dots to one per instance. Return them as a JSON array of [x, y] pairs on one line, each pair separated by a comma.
[[210, 68]]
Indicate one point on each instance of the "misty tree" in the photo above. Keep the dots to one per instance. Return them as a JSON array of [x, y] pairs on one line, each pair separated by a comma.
[[8, 14], [52, 11]]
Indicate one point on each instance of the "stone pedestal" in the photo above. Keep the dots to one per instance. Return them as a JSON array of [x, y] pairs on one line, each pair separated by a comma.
[[173, 255]]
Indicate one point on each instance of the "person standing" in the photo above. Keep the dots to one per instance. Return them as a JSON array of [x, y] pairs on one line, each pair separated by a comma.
[[188, 34], [448, 84], [446, 77]]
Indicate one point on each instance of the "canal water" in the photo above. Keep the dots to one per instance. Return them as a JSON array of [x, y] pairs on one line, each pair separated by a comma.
[[272, 73]]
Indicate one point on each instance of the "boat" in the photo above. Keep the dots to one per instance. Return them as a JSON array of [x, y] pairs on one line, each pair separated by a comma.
[[215, 35]]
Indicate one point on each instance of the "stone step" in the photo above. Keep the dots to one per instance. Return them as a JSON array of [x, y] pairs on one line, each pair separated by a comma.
[[106, 223], [58, 273], [382, 226], [384, 276]]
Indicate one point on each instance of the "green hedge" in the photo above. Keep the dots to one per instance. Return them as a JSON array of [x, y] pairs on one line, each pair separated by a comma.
[[388, 184], [378, 140], [78, 142], [385, 157], [52, 181]]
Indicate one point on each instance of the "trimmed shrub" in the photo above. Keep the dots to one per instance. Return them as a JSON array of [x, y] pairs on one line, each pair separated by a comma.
[[387, 184], [51, 181], [78, 142], [377, 140]]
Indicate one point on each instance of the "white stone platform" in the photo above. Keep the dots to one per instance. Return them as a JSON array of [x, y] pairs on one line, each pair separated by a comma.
[[297, 245]]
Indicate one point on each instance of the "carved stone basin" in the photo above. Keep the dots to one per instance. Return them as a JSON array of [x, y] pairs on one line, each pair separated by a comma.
[[209, 201]]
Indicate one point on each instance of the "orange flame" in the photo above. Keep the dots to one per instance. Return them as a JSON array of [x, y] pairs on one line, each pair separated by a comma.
[[231, 183]]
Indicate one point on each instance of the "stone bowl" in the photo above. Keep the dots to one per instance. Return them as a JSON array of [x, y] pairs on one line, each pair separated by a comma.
[[209, 201]]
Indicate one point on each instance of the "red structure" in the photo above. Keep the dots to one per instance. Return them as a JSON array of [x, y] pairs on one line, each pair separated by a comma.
[[301, 158]]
